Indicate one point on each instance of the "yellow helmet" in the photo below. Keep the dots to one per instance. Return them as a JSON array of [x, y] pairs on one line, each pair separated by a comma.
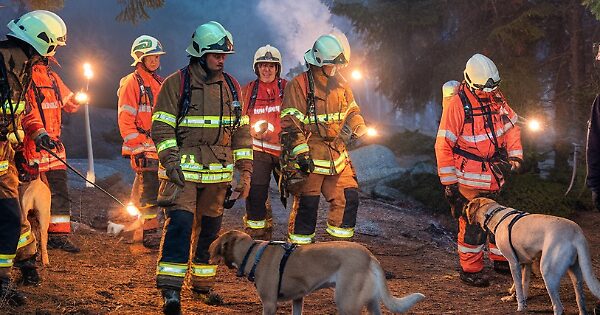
[[145, 46], [330, 49], [210, 37], [43, 30], [268, 54]]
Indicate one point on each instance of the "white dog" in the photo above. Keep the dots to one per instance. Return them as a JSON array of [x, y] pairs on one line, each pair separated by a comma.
[[35, 196], [558, 243]]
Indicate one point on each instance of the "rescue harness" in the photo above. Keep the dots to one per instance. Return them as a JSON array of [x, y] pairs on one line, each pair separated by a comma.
[[255, 92], [288, 250], [148, 92], [39, 96], [518, 215]]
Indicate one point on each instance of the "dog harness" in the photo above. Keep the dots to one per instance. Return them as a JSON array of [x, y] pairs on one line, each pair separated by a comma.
[[288, 249], [517, 217]]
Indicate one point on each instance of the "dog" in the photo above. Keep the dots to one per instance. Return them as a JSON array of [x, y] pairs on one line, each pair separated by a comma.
[[355, 273], [35, 196], [558, 243]]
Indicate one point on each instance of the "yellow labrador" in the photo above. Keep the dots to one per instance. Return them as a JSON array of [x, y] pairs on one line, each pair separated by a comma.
[[35, 196], [558, 243], [355, 273]]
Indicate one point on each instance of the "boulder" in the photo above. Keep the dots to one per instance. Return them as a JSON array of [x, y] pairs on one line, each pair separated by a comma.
[[374, 163]]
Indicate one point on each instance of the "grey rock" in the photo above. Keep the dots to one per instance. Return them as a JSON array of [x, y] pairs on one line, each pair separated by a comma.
[[423, 167], [387, 193], [374, 163]]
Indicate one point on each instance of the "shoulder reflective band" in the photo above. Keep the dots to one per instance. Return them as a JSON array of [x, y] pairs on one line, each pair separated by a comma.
[[18, 108], [301, 239], [339, 232], [6, 260], [165, 117], [301, 148], [242, 154], [3, 166], [204, 270], [163, 145], [171, 269], [25, 239]]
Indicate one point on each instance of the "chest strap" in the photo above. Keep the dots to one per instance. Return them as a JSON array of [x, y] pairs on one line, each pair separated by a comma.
[[240, 271]]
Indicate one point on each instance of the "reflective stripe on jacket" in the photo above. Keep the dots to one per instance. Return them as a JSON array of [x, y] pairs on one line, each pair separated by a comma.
[[334, 105], [135, 111], [475, 139]]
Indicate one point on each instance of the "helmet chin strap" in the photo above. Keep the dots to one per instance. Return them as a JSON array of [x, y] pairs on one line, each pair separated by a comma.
[[332, 72]]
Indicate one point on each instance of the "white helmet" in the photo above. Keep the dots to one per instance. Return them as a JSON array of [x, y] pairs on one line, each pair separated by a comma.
[[268, 54], [481, 73], [43, 30], [145, 46], [210, 37], [329, 49], [450, 88]]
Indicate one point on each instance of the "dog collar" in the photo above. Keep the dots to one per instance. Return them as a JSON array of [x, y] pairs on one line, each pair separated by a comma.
[[240, 271], [491, 213]]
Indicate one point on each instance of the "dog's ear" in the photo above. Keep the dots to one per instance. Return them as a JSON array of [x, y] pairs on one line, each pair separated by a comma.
[[216, 251], [471, 210]]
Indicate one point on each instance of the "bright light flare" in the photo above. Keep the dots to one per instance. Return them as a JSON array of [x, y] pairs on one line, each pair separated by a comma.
[[132, 210], [534, 125], [81, 98], [357, 75], [372, 132], [87, 71]]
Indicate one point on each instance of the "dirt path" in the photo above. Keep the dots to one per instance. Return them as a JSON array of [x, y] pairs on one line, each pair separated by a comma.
[[110, 277]]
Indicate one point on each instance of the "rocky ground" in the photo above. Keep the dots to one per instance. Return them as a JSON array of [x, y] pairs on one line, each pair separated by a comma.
[[414, 245]]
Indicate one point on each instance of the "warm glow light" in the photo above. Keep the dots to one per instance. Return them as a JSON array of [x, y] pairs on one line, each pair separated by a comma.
[[87, 71], [371, 132], [132, 210], [534, 125], [81, 98], [356, 75]]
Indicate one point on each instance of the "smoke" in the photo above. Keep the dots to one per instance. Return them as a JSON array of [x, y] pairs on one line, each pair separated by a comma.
[[296, 25]]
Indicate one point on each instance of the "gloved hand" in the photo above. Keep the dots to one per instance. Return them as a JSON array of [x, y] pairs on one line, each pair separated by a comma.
[[305, 163], [455, 198], [515, 164], [44, 141], [596, 200], [175, 174], [359, 131], [243, 185]]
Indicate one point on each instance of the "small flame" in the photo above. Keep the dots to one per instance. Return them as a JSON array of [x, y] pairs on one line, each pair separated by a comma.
[[372, 132], [534, 125], [87, 71], [132, 210], [357, 75], [81, 98]]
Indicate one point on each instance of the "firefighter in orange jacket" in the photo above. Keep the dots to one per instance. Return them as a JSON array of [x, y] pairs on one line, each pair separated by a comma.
[[137, 96], [201, 135], [263, 97], [477, 143], [33, 38], [318, 108]]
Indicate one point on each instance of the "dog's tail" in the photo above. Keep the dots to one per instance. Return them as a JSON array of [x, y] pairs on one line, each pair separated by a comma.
[[585, 263], [394, 304]]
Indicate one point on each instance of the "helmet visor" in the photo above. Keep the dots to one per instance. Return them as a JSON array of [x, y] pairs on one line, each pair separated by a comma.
[[223, 45], [267, 57], [489, 86], [339, 60]]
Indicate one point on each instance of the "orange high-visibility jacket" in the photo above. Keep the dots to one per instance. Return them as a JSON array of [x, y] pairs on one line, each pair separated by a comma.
[[475, 139], [46, 98], [264, 111], [137, 96]]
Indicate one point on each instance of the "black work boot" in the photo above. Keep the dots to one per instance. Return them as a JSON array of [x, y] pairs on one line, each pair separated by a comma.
[[29, 273], [476, 279], [501, 267], [171, 301], [10, 294], [208, 297], [151, 239], [61, 241]]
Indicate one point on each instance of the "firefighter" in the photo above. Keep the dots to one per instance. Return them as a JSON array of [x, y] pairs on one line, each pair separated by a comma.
[[318, 105], [48, 96], [137, 96], [263, 97], [477, 143], [33, 38], [200, 135]]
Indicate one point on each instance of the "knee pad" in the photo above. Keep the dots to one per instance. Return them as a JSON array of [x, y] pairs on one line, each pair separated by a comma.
[[351, 208], [306, 215], [177, 236]]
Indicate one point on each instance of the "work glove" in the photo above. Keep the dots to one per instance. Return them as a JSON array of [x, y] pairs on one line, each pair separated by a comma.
[[359, 131], [596, 200], [175, 174], [305, 163], [515, 164], [455, 198], [44, 141]]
